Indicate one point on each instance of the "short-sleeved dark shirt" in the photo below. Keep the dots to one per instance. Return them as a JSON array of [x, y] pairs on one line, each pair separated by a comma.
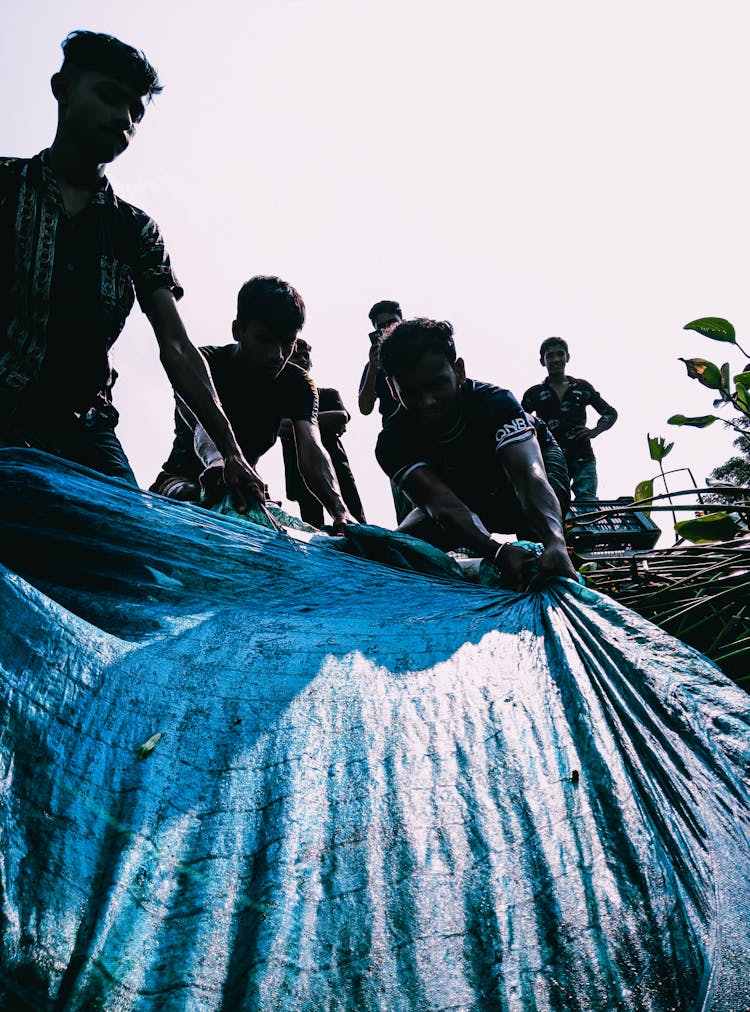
[[67, 285], [253, 405], [466, 456], [562, 416], [387, 403]]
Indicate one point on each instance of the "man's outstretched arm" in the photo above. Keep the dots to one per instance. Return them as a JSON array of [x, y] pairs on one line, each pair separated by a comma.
[[316, 468], [525, 469], [189, 376], [447, 511]]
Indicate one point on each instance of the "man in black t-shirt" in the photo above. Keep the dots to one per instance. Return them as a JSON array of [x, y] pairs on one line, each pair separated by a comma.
[[332, 420], [468, 455], [73, 259], [257, 387], [561, 402]]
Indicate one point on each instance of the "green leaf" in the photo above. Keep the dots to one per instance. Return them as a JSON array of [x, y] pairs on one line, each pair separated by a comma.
[[714, 327], [713, 527], [644, 490], [658, 448], [698, 422], [148, 746], [743, 378], [588, 567], [724, 371], [743, 398], [704, 371]]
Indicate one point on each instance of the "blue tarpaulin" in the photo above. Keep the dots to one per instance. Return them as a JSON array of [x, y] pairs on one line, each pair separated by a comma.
[[243, 772]]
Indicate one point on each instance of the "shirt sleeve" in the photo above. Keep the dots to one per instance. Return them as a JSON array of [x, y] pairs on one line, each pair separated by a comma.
[[398, 452], [511, 423], [528, 401], [302, 397], [599, 404], [154, 269], [329, 399]]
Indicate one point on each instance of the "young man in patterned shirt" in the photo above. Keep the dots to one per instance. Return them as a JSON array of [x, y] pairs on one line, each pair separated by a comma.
[[73, 258], [468, 455], [561, 402]]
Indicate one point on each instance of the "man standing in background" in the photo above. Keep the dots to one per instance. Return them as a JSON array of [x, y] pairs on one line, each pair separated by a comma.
[[332, 421], [561, 402], [374, 388]]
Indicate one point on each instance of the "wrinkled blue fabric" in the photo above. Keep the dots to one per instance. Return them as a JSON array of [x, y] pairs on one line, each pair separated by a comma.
[[373, 790]]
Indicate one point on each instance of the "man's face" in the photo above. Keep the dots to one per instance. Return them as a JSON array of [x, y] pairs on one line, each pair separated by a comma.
[[429, 390], [264, 351], [301, 356], [555, 360], [99, 113], [383, 320]]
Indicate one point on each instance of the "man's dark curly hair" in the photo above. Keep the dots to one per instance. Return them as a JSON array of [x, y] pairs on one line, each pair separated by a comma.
[[407, 342], [107, 55], [272, 301]]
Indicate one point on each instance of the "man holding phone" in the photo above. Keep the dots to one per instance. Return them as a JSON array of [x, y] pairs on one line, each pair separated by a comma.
[[373, 387]]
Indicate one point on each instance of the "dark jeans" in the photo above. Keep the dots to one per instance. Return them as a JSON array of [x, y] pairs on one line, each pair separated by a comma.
[[89, 440], [584, 478]]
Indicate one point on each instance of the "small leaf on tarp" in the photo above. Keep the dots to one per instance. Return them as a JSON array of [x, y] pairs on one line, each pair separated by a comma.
[[707, 373], [714, 527], [697, 421], [148, 746], [575, 776], [715, 327]]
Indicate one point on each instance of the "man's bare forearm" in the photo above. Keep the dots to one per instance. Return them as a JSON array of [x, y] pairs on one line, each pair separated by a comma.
[[367, 396]]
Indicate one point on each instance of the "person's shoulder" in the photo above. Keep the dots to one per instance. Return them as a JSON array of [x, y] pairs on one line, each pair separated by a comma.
[[582, 384], [13, 166], [141, 219], [217, 354], [486, 395], [214, 350], [12, 171], [293, 379], [330, 399], [533, 391]]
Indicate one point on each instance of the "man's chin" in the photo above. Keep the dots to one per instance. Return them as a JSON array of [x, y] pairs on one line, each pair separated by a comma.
[[433, 422]]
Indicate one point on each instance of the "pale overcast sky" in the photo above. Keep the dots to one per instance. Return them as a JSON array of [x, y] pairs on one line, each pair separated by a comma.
[[521, 170]]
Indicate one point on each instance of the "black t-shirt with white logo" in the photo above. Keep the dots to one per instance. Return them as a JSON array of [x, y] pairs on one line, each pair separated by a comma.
[[465, 457]]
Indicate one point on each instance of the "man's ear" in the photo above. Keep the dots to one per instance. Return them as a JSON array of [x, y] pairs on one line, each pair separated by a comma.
[[59, 85], [460, 370], [236, 329]]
